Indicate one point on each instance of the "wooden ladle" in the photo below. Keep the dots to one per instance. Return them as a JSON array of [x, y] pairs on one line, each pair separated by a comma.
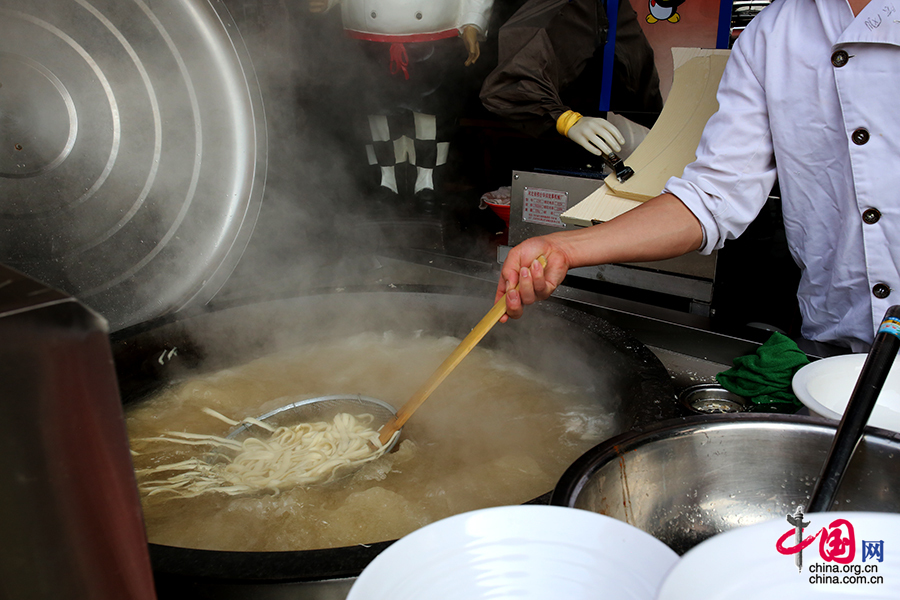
[[324, 407], [465, 346]]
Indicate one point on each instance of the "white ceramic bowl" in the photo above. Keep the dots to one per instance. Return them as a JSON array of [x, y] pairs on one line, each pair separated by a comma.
[[743, 563], [824, 386], [523, 552]]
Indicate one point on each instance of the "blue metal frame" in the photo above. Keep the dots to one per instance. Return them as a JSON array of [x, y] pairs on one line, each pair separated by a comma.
[[723, 35], [609, 53]]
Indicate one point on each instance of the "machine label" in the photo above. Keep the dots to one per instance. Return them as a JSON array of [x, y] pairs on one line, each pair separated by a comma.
[[544, 206]]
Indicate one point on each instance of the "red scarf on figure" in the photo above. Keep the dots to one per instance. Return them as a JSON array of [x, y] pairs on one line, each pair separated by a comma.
[[399, 58]]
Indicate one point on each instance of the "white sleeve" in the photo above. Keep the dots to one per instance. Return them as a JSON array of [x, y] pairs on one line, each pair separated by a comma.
[[729, 182], [477, 13]]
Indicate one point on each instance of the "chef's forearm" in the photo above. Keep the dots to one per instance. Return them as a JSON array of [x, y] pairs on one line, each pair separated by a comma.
[[657, 229]]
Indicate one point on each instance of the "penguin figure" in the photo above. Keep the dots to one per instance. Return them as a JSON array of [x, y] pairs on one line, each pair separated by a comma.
[[664, 10]]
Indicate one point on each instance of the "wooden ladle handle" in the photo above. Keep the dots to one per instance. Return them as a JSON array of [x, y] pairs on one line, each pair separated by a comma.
[[465, 346]]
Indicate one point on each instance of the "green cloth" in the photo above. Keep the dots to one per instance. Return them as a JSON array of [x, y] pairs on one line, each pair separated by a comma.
[[765, 377]]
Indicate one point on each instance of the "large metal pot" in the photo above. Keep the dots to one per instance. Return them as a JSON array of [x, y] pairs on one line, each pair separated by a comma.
[[556, 340], [686, 480]]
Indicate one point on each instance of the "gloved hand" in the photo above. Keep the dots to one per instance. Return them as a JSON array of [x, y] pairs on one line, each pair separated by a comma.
[[634, 133], [596, 135]]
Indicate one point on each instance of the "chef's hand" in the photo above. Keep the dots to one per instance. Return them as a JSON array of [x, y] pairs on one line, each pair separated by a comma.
[[535, 281], [596, 135], [470, 39], [317, 6]]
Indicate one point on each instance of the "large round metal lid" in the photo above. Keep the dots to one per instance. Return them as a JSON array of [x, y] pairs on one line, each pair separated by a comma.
[[132, 150]]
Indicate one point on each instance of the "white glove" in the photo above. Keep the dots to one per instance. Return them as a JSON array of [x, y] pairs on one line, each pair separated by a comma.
[[596, 135], [634, 133]]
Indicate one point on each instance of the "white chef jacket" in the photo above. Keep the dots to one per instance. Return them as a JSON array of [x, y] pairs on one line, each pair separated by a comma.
[[811, 94], [412, 20]]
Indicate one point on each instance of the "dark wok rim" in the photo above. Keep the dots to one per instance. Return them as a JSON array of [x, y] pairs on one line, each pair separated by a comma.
[[296, 566], [289, 566], [586, 466]]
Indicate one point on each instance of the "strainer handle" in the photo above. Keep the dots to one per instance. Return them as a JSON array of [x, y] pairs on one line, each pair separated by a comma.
[[856, 415]]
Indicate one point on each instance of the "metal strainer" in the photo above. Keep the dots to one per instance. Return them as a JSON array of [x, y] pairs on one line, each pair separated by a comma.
[[321, 408]]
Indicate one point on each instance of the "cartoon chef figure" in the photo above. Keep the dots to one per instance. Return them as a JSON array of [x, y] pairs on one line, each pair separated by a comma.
[[412, 46]]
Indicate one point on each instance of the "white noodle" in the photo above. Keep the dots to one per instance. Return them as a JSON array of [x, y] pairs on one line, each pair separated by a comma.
[[304, 454]]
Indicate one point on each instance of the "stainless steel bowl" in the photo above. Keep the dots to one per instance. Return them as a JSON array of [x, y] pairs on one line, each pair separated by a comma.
[[686, 480]]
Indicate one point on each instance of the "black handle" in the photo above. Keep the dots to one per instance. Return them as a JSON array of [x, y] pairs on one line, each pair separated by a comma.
[[623, 172], [850, 431]]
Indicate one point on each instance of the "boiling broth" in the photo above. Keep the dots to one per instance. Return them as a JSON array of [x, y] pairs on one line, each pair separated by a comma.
[[493, 433]]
